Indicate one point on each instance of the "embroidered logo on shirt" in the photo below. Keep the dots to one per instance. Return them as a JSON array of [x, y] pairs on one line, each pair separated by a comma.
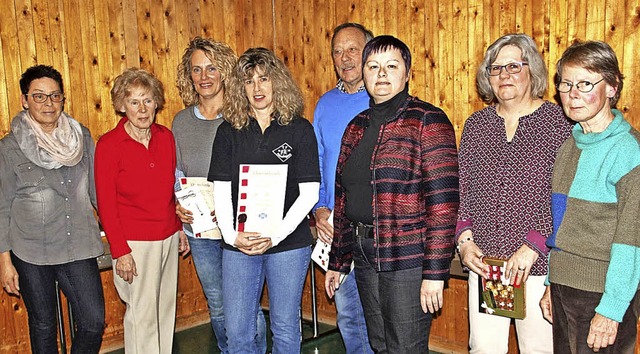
[[283, 152]]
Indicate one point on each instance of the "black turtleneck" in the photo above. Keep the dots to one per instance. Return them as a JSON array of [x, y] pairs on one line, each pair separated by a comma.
[[356, 176]]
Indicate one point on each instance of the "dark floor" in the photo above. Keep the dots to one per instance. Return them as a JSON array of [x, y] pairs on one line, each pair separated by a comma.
[[201, 340]]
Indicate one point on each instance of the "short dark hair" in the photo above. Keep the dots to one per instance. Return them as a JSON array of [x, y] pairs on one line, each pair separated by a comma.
[[368, 35], [597, 57], [384, 43], [38, 72]]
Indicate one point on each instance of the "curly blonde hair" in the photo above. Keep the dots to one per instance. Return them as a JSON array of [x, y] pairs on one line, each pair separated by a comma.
[[287, 97], [220, 54], [131, 79]]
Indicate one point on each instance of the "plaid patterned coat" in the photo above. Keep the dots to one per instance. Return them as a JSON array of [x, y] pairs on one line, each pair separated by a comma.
[[414, 169]]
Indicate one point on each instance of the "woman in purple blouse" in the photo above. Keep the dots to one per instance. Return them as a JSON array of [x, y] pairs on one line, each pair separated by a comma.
[[506, 160]]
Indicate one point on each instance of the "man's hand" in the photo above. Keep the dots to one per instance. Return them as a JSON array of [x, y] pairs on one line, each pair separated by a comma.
[[323, 226], [602, 332], [126, 268], [431, 298]]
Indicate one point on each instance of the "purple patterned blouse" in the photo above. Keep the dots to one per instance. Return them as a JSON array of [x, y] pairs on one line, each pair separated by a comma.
[[505, 187]]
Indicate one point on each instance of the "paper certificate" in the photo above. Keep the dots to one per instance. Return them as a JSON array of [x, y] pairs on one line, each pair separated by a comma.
[[203, 227], [261, 192]]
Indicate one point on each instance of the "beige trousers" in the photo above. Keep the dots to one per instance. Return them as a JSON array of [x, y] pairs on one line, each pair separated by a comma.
[[149, 320], [489, 334]]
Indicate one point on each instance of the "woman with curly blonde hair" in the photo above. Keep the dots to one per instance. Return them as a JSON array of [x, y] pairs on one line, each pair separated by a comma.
[[288, 103], [202, 76], [263, 126]]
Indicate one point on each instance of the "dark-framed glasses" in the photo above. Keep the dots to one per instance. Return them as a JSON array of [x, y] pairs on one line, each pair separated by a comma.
[[56, 97], [582, 86], [511, 68]]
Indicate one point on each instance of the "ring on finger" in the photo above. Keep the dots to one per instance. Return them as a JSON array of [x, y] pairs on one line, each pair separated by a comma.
[[522, 268]]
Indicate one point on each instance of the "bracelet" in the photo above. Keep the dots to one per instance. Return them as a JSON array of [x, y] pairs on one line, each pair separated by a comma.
[[460, 242]]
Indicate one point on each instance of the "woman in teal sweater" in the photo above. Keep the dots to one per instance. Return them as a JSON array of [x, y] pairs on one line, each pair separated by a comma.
[[594, 265]]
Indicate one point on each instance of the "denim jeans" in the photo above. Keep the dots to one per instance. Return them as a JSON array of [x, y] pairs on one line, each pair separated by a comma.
[[573, 310], [391, 301], [207, 257], [242, 282], [350, 317], [81, 284]]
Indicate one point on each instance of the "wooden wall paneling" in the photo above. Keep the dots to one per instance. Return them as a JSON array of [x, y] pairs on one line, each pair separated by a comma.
[[171, 56], [594, 19], [445, 57], [507, 16], [41, 32], [12, 65], [109, 30], [160, 13], [628, 58], [91, 94], [144, 41], [232, 18], [478, 44], [130, 37], [461, 60], [558, 33], [421, 74], [25, 25], [432, 44], [261, 28], [60, 55], [312, 43], [524, 16], [76, 82]]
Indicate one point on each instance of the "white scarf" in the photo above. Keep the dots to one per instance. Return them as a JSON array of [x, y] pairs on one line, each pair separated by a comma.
[[63, 147]]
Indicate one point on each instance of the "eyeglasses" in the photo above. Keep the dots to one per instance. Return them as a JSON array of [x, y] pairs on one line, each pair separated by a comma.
[[511, 68], [582, 86], [56, 97]]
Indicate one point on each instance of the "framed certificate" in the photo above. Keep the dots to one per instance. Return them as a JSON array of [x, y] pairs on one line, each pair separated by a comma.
[[497, 296], [261, 192]]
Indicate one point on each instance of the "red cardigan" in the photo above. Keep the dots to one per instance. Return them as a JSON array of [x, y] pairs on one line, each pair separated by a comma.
[[134, 186]]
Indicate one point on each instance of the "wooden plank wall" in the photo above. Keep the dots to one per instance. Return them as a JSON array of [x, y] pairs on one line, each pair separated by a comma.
[[92, 41]]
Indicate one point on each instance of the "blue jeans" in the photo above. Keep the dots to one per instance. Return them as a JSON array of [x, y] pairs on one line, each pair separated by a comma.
[[351, 323], [207, 257], [243, 280], [81, 284], [391, 301]]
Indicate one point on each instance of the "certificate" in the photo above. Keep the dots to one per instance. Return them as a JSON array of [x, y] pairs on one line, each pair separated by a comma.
[[261, 192], [201, 191]]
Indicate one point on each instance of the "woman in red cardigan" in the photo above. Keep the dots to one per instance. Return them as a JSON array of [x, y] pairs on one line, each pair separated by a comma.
[[135, 173]]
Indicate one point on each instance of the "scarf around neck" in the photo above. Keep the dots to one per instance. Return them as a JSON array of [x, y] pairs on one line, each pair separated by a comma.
[[63, 147]]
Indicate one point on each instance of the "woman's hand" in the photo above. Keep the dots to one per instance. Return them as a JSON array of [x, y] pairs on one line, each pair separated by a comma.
[[332, 282], [9, 274], [471, 256], [184, 214], [546, 305], [126, 268], [252, 243], [183, 244], [431, 298], [602, 332], [519, 265]]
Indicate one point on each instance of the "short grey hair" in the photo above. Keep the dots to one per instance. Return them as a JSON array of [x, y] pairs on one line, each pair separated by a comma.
[[530, 55]]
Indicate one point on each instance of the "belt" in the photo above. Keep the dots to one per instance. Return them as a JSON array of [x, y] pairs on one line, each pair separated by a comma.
[[362, 230]]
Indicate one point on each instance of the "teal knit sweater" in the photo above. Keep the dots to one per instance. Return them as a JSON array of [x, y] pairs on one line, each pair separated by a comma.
[[596, 211]]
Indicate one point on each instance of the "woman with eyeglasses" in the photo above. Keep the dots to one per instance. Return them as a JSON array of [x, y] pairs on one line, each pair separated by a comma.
[[48, 232], [594, 265], [507, 153], [135, 175]]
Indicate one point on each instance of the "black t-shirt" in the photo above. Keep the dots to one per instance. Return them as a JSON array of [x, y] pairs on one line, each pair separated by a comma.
[[293, 144]]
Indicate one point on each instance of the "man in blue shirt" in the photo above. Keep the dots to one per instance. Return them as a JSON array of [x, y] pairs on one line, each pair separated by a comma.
[[334, 111]]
